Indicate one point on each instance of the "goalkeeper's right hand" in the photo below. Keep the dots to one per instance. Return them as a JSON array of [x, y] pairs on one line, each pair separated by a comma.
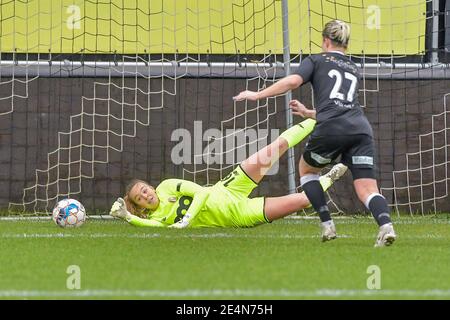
[[119, 209]]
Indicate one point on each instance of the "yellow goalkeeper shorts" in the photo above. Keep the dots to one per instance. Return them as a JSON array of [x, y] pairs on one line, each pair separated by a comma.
[[229, 206]]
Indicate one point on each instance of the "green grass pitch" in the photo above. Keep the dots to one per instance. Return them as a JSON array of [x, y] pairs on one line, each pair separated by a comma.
[[282, 260]]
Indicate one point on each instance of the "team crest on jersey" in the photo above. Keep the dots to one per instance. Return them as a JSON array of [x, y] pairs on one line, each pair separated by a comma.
[[172, 199]]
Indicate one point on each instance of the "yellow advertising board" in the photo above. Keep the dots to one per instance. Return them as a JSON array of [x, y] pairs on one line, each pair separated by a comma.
[[201, 26]]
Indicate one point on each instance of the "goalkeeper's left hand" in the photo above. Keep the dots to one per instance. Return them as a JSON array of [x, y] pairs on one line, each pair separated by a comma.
[[183, 223]]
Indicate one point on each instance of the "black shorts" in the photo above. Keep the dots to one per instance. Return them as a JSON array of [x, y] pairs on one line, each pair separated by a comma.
[[357, 153]]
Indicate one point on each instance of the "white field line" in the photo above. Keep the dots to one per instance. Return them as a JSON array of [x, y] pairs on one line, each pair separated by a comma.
[[188, 236], [46, 218], [193, 293], [290, 219], [154, 235]]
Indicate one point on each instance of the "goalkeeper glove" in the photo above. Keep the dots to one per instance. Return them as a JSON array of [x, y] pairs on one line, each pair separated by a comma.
[[183, 223], [119, 209]]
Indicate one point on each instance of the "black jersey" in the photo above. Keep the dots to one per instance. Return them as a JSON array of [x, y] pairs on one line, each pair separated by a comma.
[[335, 80]]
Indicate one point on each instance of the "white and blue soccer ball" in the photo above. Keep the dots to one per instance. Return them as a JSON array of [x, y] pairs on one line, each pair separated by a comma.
[[69, 213]]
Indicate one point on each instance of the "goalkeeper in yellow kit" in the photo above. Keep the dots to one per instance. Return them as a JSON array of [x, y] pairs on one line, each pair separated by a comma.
[[179, 203]]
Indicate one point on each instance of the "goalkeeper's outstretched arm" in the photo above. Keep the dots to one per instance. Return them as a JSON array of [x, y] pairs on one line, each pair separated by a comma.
[[136, 215], [119, 210], [139, 222]]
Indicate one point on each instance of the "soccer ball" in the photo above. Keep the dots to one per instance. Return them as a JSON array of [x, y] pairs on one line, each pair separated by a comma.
[[69, 213]]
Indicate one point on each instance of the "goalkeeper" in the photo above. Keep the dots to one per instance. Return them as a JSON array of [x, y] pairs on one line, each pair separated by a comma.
[[179, 203]]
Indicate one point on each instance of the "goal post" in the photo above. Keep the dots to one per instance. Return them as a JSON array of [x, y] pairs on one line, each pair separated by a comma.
[[95, 93]]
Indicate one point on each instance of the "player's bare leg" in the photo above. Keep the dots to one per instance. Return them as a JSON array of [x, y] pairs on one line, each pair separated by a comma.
[[257, 165], [280, 207]]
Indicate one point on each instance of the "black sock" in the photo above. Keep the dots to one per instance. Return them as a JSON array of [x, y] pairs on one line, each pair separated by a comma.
[[316, 196], [380, 209]]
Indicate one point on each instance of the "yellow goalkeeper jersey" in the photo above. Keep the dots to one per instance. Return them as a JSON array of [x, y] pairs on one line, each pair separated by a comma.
[[227, 205]]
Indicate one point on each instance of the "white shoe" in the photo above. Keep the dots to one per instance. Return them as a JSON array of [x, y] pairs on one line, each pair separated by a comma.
[[336, 172], [386, 235], [328, 233]]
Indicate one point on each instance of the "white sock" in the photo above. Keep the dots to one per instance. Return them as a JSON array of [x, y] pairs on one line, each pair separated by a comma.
[[329, 223]]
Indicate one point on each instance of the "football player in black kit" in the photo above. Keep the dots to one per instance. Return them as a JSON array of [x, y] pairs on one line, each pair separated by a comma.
[[341, 129]]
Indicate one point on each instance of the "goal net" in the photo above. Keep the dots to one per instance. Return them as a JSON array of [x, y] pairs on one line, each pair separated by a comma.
[[95, 93]]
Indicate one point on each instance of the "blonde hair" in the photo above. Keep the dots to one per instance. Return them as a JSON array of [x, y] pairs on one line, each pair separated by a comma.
[[338, 32], [131, 206]]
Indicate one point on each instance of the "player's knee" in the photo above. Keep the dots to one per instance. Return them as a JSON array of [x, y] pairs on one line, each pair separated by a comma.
[[282, 144]]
